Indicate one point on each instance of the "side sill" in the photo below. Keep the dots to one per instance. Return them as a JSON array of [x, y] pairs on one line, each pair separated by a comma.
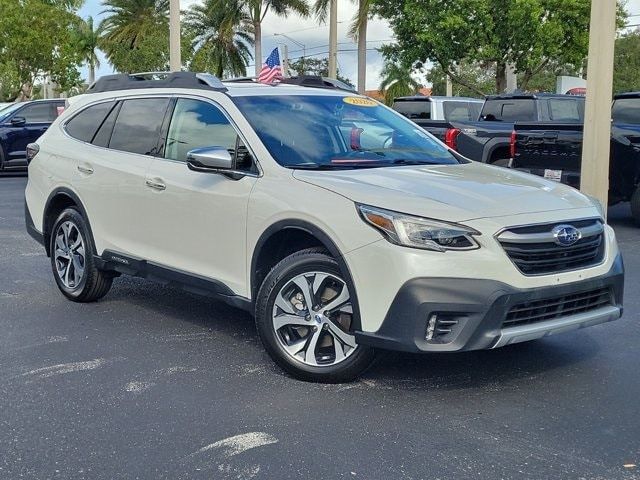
[[116, 262]]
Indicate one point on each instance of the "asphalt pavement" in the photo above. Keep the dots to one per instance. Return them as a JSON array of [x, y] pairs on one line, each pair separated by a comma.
[[155, 383]]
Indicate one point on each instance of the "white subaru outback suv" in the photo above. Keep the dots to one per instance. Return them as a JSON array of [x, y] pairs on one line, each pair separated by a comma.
[[341, 225]]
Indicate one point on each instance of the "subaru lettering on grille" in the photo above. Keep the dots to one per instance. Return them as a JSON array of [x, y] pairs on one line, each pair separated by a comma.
[[566, 235]]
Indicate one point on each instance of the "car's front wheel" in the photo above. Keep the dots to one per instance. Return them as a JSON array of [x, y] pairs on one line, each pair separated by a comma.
[[305, 319], [72, 262]]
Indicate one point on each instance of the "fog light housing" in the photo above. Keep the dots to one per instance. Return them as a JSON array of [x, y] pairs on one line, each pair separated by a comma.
[[440, 326]]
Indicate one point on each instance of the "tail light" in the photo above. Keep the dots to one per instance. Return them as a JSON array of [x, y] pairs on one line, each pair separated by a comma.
[[512, 144], [32, 151], [451, 138]]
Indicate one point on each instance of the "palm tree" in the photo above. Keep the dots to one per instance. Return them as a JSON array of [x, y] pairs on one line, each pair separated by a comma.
[[87, 39], [222, 35], [129, 21], [258, 9], [357, 31], [397, 82]]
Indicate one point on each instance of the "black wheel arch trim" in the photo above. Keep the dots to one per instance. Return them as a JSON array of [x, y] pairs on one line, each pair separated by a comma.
[[323, 238], [62, 191]]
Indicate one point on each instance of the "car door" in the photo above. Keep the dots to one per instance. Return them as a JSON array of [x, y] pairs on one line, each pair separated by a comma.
[[25, 126], [111, 174], [199, 219]]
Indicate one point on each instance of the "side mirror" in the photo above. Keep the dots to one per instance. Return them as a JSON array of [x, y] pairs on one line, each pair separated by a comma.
[[18, 121], [210, 159]]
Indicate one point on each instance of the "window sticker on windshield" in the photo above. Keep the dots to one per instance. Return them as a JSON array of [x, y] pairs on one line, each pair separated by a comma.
[[359, 101]]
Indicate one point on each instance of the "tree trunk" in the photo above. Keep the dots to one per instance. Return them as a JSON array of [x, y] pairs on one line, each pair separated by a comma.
[[501, 77], [362, 55], [257, 26], [92, 73]]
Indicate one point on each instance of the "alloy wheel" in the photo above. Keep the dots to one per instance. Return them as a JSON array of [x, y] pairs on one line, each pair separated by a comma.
[[312, 316], [69, 254]]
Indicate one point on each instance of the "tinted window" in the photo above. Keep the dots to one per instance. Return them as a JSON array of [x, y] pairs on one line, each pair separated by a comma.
[[512, 110], [335, 132], [103, 135], [461, 111], [138, 124], [626, 110], [84, 125], [414, 108], [38, 113], [197, 124], [566, 110]]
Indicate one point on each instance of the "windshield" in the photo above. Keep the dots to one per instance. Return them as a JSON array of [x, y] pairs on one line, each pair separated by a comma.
[[331, 132], [6, 110]]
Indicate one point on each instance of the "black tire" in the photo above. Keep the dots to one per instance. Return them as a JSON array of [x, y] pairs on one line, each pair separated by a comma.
[[310, 260], [93, 284], [635, 205]]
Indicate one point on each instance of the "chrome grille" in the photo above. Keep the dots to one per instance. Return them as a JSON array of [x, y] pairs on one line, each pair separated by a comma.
[[534, 250], [552, 308]]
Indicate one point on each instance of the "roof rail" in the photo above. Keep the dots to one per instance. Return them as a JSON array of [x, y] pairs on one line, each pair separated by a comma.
[[241, 80], [124, 81]]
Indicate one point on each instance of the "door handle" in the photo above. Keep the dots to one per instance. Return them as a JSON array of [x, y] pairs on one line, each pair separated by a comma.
[[156, 184], [85, 169]]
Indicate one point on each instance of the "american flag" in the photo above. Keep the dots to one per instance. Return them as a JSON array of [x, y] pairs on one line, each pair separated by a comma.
[[271, 69]]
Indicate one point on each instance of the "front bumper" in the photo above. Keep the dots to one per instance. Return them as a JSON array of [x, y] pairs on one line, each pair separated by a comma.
[[479, 308]]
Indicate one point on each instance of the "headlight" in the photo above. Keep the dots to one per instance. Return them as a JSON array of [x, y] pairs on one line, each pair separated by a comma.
[[419, 232]]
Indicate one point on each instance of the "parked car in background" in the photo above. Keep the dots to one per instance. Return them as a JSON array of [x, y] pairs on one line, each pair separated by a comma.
[[488, 140], [266, 197], [21, 124], [434, 113], [554, 150]]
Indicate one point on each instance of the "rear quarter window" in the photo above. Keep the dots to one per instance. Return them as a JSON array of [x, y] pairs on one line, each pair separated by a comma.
[[84, 125], [566, 110], [461, 111]]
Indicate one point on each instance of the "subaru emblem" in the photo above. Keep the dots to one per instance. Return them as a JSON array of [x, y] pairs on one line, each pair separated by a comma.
[[566, 235]]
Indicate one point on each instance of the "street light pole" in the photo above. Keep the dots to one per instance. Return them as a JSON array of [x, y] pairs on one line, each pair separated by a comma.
[[333, 38], [300, 44], [175, 63], [596, 144]]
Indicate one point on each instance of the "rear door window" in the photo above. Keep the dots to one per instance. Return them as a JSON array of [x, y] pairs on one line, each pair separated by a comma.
[[137, 127], [461, 111], [626, 110], [414, 109], [566, 109], [511, 110], [85, 124], [38, 113]]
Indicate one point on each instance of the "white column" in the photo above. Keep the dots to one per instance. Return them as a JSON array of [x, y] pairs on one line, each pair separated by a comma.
[[512, 78], [597, 116], [333, 38], [175, 63], [449, 86], [285, 60]]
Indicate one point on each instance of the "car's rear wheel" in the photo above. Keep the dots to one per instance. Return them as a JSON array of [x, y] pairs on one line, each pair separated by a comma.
[[305, 319], [74, 267]]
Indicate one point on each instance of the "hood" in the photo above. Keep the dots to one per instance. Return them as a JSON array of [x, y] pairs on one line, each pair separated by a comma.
[[449, 192]]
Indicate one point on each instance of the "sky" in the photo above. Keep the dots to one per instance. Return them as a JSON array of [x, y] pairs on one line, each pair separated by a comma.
[[315, 37]]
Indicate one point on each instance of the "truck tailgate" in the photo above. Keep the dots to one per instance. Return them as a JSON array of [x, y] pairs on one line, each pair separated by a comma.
[[551, 150]]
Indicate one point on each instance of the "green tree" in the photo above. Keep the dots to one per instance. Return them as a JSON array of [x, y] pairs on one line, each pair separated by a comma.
[[35, 43], [87, 38], [626, 68], [397, 82], [222, 35], [314, 66], [135, 34], [258, 9], [530, 34]]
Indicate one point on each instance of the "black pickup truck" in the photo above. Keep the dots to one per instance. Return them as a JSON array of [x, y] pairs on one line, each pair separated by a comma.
[[554, 151], [488, 140]]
